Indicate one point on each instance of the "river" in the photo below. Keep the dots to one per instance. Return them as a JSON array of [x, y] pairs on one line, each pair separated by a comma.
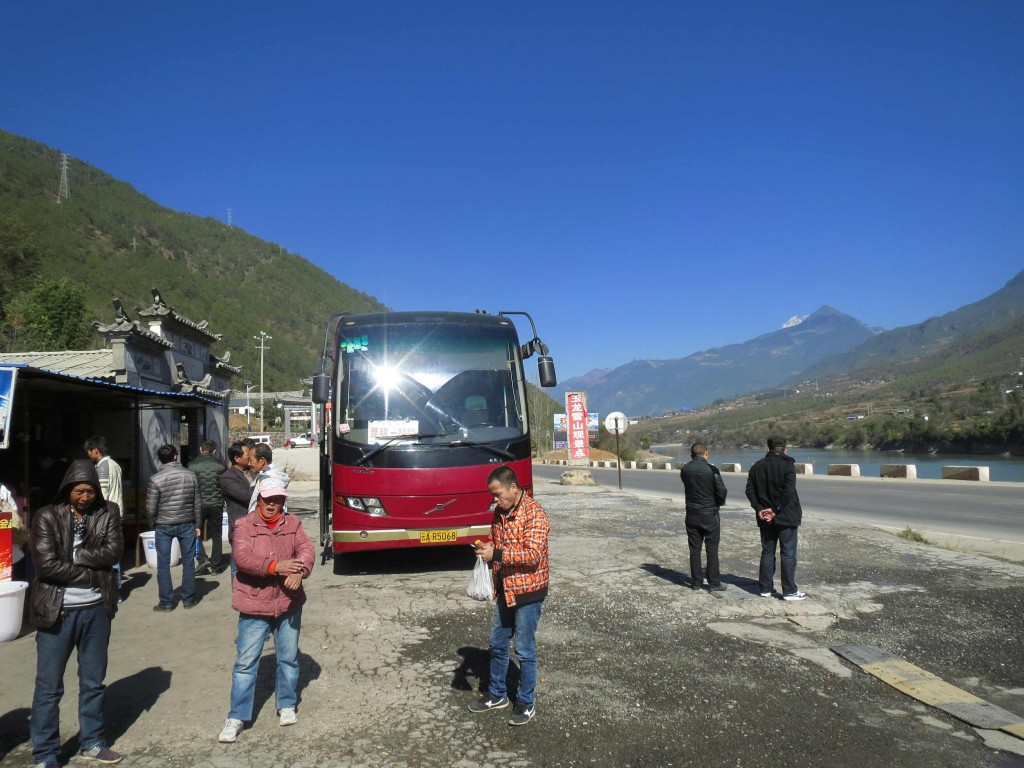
[[929, 466]]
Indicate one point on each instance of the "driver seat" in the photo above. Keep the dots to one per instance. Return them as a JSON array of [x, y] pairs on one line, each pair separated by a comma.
[[475, 413]]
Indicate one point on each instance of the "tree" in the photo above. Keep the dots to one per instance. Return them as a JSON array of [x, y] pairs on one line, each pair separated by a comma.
[[19, 255], [49, 317], [542, 410]]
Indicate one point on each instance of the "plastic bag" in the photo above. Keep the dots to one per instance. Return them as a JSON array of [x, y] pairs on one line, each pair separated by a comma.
[[481, 587]]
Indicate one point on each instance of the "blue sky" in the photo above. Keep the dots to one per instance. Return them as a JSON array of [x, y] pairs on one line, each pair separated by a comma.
[[646, 179]]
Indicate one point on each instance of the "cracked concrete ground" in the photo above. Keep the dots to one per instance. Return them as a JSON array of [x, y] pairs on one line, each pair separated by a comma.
[[636, 669]]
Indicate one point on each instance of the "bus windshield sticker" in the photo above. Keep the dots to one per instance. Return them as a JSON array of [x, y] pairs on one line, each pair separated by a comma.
[[358, 344], [385, 430]]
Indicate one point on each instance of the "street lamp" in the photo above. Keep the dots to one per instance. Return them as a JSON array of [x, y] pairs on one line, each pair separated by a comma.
[[263, 338], [248, 411]]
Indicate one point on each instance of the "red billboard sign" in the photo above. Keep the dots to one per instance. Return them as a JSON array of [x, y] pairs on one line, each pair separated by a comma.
[[579, 442]]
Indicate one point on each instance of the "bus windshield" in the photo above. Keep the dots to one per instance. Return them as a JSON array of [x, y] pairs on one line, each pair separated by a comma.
[[428, 383]]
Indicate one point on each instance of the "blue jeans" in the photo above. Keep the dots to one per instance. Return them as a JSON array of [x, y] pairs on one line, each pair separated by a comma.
[[88, 630], [519, 622], [185, 533], [786, 538], [252, 634]]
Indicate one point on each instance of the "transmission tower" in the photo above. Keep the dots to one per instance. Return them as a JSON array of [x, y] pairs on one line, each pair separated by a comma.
[[229, 217], [64, 192]]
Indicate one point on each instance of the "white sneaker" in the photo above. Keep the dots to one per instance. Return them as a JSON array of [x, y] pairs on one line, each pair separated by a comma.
[[230, 731], [795, 596], [288, 716]]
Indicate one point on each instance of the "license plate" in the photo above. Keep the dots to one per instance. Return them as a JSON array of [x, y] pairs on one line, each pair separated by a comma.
[[438, 537]]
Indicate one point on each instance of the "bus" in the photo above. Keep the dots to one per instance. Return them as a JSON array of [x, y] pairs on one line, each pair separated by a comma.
[[416, 409]]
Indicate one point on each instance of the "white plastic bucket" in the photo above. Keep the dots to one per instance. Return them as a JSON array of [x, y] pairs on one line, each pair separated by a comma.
[[149, 547], [12, 605]]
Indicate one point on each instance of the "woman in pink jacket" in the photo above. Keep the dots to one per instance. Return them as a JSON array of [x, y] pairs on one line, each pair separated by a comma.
[[274, 555]]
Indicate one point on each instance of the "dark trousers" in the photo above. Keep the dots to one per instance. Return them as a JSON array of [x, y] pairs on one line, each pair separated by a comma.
[[212, 522], [785, 537], [706, 531], [86, 630]]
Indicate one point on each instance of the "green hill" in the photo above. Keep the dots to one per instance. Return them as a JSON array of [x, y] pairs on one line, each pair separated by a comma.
[[204, 268]]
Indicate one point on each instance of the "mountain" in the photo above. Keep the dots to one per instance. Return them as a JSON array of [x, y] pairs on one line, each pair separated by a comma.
[[967, 397], [651, 387], [117, 242], [913, 341], [590, 376]]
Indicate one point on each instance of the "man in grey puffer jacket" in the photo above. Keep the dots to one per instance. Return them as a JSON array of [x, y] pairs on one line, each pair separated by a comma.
[[174, 507]]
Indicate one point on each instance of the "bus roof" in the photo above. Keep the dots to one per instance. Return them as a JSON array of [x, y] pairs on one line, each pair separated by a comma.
[[457, 318]]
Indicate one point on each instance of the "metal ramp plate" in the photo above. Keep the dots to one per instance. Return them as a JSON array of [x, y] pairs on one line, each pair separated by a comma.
[[931, 690]]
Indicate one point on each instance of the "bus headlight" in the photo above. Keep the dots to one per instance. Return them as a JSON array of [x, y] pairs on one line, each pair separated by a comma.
[[369, 505]]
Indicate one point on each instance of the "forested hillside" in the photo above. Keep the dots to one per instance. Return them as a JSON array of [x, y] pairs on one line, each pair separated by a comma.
[[108, 240]]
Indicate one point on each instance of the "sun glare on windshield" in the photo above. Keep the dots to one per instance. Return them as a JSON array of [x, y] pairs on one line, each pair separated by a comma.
[[386, 377]]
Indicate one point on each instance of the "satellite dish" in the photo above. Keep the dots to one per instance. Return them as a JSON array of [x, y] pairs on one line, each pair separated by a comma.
[[616, 422]]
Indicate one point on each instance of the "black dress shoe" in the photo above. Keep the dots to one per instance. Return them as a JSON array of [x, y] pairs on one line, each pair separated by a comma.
[[186, 606], [163, 608]]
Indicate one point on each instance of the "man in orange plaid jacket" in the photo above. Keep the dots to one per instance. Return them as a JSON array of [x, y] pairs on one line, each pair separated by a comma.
[[518, 552]]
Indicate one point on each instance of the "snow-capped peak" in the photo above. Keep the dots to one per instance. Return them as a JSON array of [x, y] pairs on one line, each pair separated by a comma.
[[794, 320]]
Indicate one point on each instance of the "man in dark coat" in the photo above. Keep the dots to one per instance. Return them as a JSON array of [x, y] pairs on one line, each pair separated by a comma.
[[236, 488], [75, 543], [208, 468], [771, 490], [705, 493]]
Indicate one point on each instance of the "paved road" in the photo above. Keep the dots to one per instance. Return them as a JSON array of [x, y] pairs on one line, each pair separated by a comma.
[[636, 669], [991, 511]]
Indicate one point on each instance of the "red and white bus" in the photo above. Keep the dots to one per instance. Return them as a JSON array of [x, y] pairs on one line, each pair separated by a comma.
[[417, 409]]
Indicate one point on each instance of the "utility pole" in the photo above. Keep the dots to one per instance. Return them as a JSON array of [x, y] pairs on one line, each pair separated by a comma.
[[263, 338], [248, 411], [64, 191]]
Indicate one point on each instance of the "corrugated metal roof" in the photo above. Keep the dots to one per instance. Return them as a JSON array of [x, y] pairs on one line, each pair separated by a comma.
[[113, 389], [87, 364]]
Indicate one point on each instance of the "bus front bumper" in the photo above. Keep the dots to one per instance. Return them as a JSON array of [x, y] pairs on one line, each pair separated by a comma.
[[396, 538]]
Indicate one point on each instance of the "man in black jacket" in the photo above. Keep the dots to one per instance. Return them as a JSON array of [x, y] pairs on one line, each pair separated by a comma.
[[236, 488], [208, 467], [75, 543], [705, 493], [771, 490]]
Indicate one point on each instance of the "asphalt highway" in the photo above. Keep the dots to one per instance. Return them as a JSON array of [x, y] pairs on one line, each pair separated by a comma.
[[954, 507]]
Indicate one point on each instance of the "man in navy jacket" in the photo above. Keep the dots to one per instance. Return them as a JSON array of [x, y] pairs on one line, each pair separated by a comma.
[[771, 490]]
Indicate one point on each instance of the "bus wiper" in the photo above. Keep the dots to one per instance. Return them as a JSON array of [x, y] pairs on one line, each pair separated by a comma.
[[487, 447], [387, 444]]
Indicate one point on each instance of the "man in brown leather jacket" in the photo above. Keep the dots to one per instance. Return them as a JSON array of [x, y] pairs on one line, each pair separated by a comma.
[[75, 543]]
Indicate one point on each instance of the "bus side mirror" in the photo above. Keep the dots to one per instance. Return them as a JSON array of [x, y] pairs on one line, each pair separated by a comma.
[[546, 369], [321, 388]]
